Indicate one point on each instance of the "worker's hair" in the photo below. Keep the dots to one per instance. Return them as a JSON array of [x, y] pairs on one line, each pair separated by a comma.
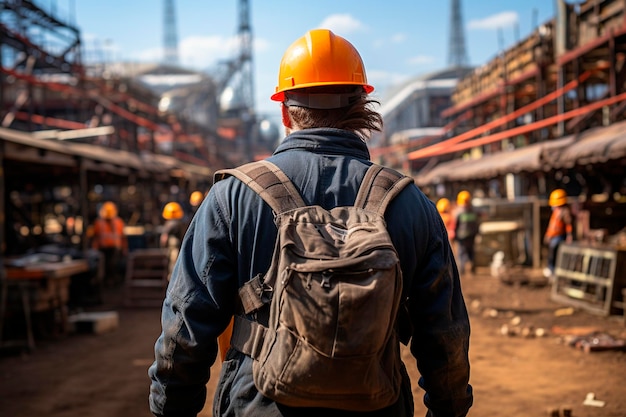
[[358, 117]]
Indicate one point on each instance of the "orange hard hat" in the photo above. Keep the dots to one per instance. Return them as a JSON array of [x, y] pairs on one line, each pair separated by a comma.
[[558, 198], [463, 197], [320, 58], [443, 205], [108, 210], [196, 198], [172, 210]]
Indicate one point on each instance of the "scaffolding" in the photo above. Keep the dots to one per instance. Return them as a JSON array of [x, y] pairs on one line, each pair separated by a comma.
[[566, 77]]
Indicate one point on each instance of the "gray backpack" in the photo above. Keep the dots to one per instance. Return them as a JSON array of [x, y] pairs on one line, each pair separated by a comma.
[[334, 290]]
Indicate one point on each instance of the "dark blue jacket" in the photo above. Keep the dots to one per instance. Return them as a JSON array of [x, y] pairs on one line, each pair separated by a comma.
[[231, 239]]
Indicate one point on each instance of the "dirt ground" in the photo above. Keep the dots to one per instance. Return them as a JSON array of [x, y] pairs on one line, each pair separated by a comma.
[[86, 375]]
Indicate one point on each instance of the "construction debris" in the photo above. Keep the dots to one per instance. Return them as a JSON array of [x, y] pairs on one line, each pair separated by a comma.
[[591, 401], [96, 322], [567, 311], [525, 331], [514, 328], [596, 342]]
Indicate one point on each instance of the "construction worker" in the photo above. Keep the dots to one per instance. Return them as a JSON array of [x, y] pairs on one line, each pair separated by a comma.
[[465, 231], [328, 115], [173, 230], [195, 199], [445, 210], [109, 238], [559, 227]]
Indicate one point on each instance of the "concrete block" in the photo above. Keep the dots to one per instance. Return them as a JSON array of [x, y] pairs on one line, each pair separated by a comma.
[[96, 322]]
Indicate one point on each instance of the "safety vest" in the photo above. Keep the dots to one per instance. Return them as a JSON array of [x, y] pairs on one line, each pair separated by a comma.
[[108, 233], [448, 221], [560, 223]]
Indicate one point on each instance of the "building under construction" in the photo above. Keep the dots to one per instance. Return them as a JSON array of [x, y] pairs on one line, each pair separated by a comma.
[[552, 102], [73, 136], [547, 113]]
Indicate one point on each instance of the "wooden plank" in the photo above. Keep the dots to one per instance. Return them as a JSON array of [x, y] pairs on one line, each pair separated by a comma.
[[48, 269]]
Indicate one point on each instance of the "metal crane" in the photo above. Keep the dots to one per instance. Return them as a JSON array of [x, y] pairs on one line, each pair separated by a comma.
[[235, 79]]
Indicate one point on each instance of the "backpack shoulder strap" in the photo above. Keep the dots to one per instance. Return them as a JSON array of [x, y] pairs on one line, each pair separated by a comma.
[[275, 188], [380, 185], [269, 182]]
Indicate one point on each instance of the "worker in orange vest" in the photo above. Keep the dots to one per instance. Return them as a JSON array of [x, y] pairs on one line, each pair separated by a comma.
[[445, 210], [110, 239], [559, 227]]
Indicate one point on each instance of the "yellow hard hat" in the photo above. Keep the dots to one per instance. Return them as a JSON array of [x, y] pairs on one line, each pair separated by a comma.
[[196, 198], [320, 58], [463, 197], [558, 198], [108, 210], [172, 210], [443, 205]]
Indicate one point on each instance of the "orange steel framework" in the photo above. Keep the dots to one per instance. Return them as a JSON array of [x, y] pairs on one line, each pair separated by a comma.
[[547, 78], [29, 96], [451, 145]]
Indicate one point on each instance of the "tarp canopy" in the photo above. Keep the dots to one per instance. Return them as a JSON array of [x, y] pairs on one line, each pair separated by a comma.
[[527, 159], [27, 148], [596, 145]]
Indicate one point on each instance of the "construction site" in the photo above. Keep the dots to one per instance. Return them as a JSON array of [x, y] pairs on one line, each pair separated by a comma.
[[548, 112]]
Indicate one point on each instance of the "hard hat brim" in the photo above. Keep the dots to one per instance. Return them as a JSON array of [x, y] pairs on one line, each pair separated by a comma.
[[280, 95]]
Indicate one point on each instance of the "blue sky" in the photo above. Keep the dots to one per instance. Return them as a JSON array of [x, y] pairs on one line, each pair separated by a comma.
[[398, 39]]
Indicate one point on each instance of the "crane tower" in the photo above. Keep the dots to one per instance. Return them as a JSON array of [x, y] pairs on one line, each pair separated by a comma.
[[170, 37], [237, 79], [457, 54], [245, 37]]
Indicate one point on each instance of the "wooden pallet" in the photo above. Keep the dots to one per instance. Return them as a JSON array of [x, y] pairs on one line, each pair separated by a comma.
[[147, 273]]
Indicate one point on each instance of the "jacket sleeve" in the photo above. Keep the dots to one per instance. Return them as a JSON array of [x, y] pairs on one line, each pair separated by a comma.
[[197, 308], [438, 315]]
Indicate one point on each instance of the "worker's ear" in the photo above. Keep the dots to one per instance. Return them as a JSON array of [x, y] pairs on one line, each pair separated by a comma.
[[285, 115]]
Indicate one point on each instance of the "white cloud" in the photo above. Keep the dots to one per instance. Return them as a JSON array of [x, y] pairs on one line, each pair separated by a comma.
[[495, 21], [147, 55], [200, 52], [378, 43], [421, 60], [398, 38], [261, 45], [383, 79], [341, 24], [205, 51]]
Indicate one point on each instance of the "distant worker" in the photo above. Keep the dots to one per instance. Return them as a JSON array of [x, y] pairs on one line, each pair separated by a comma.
[[173, 229], [195, 199], [465, 231], [559, 227], [445, 210], [109, 238]]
